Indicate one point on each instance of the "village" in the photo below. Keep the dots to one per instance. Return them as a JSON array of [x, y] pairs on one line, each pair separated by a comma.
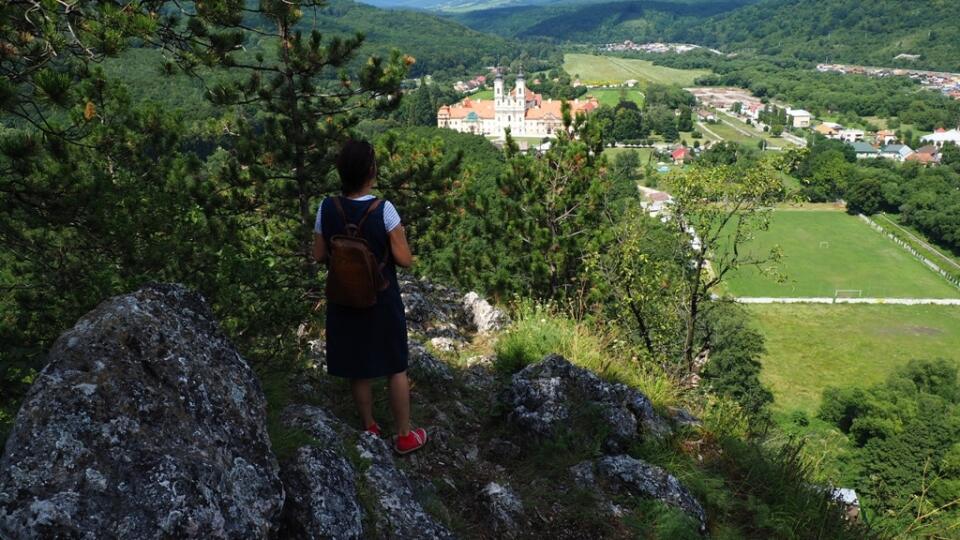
[[946, 83], [654, 48], [721, 114]]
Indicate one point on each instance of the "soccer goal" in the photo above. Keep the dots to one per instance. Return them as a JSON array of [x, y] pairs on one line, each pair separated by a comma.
[[847, 293], [824, 245]]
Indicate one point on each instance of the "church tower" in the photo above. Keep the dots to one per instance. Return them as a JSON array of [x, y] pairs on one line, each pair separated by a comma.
[[521, 89], [498, 87]]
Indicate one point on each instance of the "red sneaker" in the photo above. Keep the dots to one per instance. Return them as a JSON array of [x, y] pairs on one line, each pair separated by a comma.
[[373, 428], [411, 442]]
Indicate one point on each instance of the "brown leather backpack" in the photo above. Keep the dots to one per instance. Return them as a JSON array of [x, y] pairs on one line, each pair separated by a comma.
[[354, 276]]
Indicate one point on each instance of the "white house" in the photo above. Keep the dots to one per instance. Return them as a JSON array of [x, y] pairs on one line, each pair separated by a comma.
[[942, 136], [851, 135], [753, 110], [799, 118]]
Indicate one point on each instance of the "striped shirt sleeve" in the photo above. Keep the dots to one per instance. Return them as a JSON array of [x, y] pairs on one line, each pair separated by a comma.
[[318, 226], [391, 218]]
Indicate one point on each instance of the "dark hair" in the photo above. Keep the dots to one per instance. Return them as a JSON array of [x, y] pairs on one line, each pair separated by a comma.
[[354, 164]]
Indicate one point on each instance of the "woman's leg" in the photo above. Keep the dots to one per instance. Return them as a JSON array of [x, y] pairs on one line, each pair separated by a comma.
[[363, 397], [400, 402]]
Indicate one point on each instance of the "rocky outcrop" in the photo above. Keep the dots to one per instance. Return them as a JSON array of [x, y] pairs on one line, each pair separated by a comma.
[[398, 514], [146, 423], [324, 485], [542, 396], [445, 317], [485, 318], [624, 474], [504, 509], [321, 496], [320, 481]]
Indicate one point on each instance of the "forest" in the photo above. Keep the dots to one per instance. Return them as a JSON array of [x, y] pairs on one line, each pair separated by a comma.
[[839, 31]]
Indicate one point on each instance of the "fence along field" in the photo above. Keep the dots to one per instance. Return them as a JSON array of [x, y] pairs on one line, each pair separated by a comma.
[[829, 251]]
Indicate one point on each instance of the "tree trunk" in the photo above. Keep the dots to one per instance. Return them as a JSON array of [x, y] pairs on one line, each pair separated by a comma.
[[692, 313]]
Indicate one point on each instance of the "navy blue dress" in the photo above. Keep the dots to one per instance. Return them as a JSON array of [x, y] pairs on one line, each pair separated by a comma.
[[370, 342]]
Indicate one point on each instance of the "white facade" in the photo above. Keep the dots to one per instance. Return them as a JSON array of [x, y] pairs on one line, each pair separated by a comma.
[[940, 138], [799, 118]]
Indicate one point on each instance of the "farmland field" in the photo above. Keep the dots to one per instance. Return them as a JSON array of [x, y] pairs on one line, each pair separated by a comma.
[[824, 251], [810, 347], [593, 69]]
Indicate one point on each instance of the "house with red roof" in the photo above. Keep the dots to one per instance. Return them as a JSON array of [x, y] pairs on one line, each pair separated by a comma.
[[680, 155]]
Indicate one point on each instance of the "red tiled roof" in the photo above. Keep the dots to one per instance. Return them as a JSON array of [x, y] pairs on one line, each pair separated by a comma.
[[540, 109]]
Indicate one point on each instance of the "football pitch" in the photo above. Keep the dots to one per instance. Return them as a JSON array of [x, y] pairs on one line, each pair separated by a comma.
[[829, 251], [810, 347], [594, 69]]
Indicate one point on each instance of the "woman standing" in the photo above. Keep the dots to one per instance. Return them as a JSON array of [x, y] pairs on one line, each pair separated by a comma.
[[369, 343]]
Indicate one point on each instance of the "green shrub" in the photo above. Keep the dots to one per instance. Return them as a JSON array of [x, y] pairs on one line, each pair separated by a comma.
[[800, 418]]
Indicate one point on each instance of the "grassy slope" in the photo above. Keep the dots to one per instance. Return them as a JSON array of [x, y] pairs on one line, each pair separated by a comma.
[[594, 69], [810, 347], [857, 258]]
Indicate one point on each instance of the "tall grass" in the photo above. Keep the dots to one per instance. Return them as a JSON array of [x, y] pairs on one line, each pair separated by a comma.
[[540, 330]]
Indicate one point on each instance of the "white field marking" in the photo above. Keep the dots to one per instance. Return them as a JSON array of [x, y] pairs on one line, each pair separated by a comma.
[[875, 301]]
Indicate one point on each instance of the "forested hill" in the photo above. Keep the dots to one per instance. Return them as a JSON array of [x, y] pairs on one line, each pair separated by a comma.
[[441, 46], [597, 22], [850, 31], [843, 31]]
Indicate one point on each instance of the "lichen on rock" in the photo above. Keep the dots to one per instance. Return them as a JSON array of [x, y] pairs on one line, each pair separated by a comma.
[[145, 423], [541, 395]]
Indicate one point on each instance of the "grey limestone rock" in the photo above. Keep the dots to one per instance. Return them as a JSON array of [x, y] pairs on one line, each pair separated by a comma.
[[433, 311], [320, 481], [146, 423], [399, 515], [540, 397], [485, 317], [640, 478], [504, 507], [321, 496], [425, 366], [324, 485]]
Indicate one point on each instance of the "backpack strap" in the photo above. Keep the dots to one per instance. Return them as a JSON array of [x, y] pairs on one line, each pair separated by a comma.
[[370, 209], [351, 228]]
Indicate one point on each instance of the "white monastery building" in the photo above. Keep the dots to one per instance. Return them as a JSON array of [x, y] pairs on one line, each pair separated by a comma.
[[526, 113]]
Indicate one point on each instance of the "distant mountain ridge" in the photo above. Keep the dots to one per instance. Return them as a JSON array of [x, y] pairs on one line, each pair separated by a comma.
[[843, 31], [477, 5], [851, 31], [597, 22]]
